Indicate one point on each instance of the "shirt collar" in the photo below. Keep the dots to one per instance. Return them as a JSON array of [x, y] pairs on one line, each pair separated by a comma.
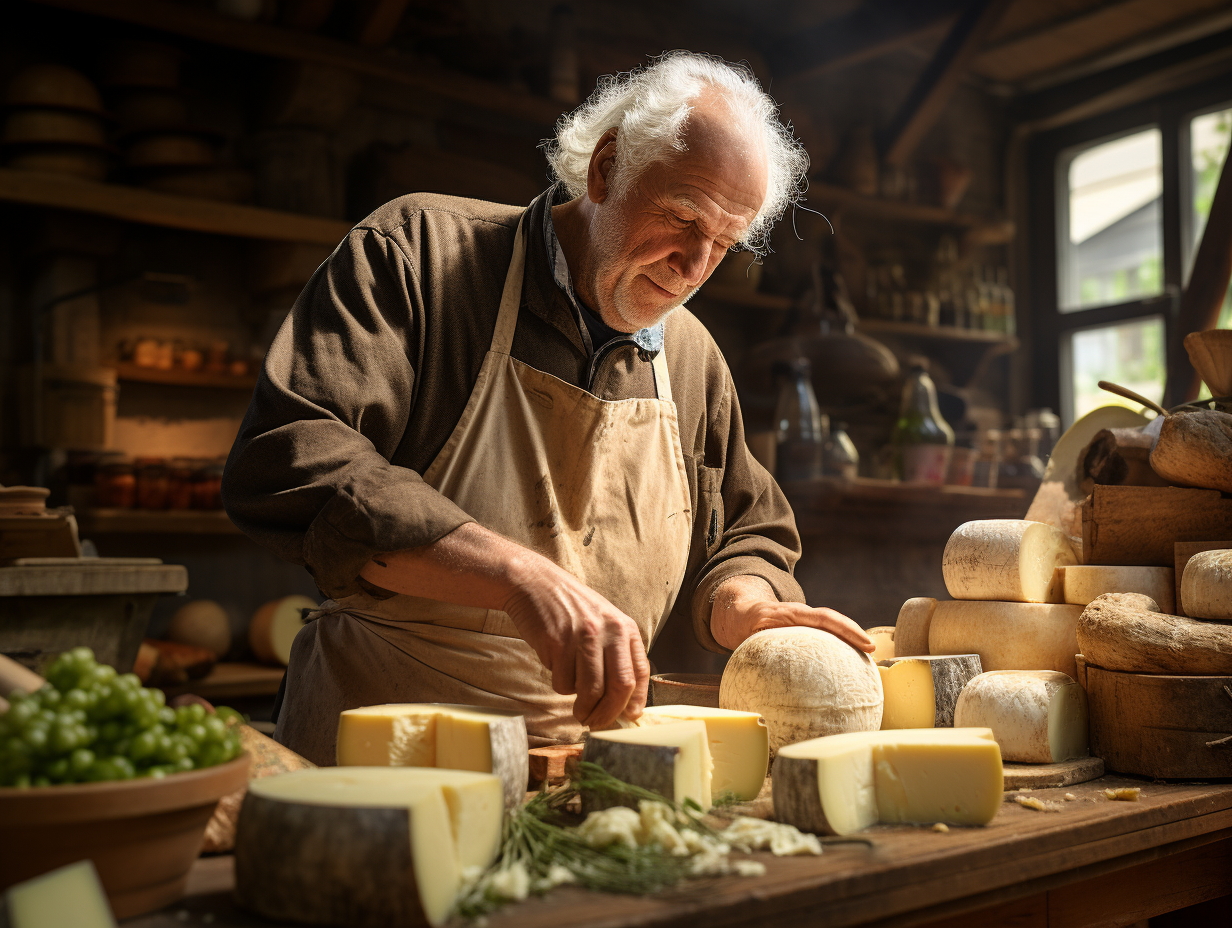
[[649, 340]]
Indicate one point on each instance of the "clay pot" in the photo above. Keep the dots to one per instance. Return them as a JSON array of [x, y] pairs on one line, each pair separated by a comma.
[[55, 86], [685, 689], [142, 835]]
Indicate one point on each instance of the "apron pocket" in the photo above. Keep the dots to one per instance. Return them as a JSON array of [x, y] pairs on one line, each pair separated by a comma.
[[710, 506]]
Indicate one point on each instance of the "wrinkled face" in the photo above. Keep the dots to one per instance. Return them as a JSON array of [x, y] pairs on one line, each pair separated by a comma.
[[656, 244]]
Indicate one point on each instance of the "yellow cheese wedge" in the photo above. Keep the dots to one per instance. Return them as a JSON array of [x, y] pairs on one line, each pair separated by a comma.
[[920, 692], [67, 896], [672, 759], [438, 735], [739, 745], [840, 784], [883, 639]]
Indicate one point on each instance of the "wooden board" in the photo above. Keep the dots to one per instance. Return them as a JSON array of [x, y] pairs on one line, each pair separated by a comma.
[[1182, 552], [548, 764], [81, 578], [232, 681], [1141, 525], [1066, 773], [1157, 725]]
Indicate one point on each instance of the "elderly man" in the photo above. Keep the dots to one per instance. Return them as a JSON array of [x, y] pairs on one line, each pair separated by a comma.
[[505, 451]]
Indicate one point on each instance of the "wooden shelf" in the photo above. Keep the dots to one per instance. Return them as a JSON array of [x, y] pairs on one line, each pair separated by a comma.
[[203, 24], [979, 231], [155, 522], [182, 378], [133, 204], [232, 681], [947, 333], [741, 296]]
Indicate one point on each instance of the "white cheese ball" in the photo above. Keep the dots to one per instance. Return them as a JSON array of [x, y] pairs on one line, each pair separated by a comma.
[[805, 683]]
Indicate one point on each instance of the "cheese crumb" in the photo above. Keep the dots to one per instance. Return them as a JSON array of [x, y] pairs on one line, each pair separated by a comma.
[[753, 834], [1024, 789], [749, 868], [1030, 802], [1124, 793], [941, 827], [512, 883], [1070, 797]]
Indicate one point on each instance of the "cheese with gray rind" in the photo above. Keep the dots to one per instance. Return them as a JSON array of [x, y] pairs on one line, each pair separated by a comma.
[[1084, 583], [804, 683], [671, 759], [1006, 560], [911, 628], [1037, 716], [1206, 585], [921, 692], [1009, 636]]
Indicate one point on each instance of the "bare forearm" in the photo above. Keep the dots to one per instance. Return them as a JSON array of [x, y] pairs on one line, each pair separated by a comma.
[[729, 613]]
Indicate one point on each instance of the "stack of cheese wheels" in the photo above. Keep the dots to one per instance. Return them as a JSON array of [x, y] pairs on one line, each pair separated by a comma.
[[842, 783], [739, 744], [1084, 583], [364, 846], [1037, 716], [1206, 586], [805, 683], [438, 735], [672, 759], [1008, 609]]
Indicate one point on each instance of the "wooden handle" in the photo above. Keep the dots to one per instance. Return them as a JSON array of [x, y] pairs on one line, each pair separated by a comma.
[[14, 676], [1131, 395]]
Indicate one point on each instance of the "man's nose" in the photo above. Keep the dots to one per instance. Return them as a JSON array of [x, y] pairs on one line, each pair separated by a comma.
[[690, 260]]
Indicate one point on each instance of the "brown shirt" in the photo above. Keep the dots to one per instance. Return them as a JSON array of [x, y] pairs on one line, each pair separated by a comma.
[[371, 371]]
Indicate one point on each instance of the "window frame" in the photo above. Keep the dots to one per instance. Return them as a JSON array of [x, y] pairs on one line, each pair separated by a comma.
[[1172, 114]]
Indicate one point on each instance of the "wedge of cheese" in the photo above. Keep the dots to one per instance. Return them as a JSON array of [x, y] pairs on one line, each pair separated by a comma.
[[911, 628], [921, 692], [1006, 560], [1008, 636], [840, 784], [365, 846], [739, 744], [672, 760], [67, 896], [438, 735], [883, 638], [1083, 583], [1206, 585], [1037, 716]]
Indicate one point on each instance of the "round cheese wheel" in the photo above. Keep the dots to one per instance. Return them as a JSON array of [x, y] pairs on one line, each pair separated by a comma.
[[202, 623], [883, 638], [275, 625], [805, 683], [1006, 560], [1037, 716], [1084, 583], [911, 628], [1206, 585]]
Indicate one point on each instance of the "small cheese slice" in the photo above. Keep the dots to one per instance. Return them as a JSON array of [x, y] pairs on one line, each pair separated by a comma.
[[66, 896], [1006, 560], [1206, 585], [438, 735], [1008, 636], [1083, 583], [920, 692], [883, 638], [672, 760], [1037, 716], [739, 744], [911, 629], [840, 784], [364, 845]]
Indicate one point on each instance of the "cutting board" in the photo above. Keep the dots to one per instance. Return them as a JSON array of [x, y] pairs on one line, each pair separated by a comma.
[[1040, 776], [1159, 725]]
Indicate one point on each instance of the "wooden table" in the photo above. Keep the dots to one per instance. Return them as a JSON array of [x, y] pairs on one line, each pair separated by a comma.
[[1095, 862]]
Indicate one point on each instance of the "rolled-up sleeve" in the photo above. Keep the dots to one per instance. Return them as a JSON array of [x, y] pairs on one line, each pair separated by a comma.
[[310, 475]]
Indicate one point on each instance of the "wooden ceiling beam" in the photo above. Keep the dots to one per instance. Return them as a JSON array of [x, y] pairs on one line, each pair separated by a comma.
[[942, 76], [871, 30]]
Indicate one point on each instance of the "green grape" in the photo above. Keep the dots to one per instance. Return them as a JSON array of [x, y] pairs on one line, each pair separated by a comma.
[[49, 696], [21, 781], [183, 765], [58, 770], [37, 736], [157, 772], [212, 753], [166, 715], [145, 746], [41, 780], [80, 761], [215, 728], [80, 699], [20, 713], [196, 732]]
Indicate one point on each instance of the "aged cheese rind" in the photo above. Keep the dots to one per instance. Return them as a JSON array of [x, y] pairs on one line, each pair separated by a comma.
[[883, 639], [1206, 585], [1009, 636], [911, 628], [804, 683], [274, 626], [1037, 716], [921, 692], [438, 735], [67, 897], [842, 783], [1086, 582], [739, 745], [1006, 560], [1121, 632], [672, 760]]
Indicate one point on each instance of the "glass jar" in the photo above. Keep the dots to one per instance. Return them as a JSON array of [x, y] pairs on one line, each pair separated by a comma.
[[839, 457], [152, 483], [180, 484], [800, 425], [115, 485], [207, 486]]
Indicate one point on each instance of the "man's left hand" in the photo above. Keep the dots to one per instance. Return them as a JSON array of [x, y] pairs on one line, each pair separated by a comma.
[[746, 605]]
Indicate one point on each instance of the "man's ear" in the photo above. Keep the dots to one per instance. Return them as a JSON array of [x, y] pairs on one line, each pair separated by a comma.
[[602, 160]]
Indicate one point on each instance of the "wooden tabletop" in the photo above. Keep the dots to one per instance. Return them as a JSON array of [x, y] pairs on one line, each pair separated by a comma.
[[1175, 844]]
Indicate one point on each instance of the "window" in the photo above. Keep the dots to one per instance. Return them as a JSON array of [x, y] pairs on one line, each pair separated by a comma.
[[1120, 203]]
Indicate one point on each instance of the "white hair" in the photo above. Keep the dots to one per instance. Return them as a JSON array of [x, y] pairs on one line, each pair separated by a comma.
[[650, 106]]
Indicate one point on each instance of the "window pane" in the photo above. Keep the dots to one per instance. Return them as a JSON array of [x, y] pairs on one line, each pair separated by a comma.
[[1208, 145], [1128, 353], [1109, 243]]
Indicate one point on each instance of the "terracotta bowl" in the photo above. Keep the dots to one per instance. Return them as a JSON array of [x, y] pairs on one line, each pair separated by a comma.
[[685, 689], [143, 835]]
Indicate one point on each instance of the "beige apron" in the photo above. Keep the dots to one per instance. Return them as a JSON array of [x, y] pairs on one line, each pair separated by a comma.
[[597, 486]]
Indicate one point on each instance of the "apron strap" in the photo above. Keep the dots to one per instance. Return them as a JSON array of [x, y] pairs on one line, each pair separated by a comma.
[[663, 384], [511, 296]]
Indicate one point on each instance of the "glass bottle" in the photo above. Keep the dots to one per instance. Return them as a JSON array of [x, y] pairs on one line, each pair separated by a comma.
[[922, 439], [839, 455], [800, 425], [987, 460]]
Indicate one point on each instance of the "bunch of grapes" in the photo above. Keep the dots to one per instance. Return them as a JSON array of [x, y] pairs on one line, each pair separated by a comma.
[[90, 724]]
